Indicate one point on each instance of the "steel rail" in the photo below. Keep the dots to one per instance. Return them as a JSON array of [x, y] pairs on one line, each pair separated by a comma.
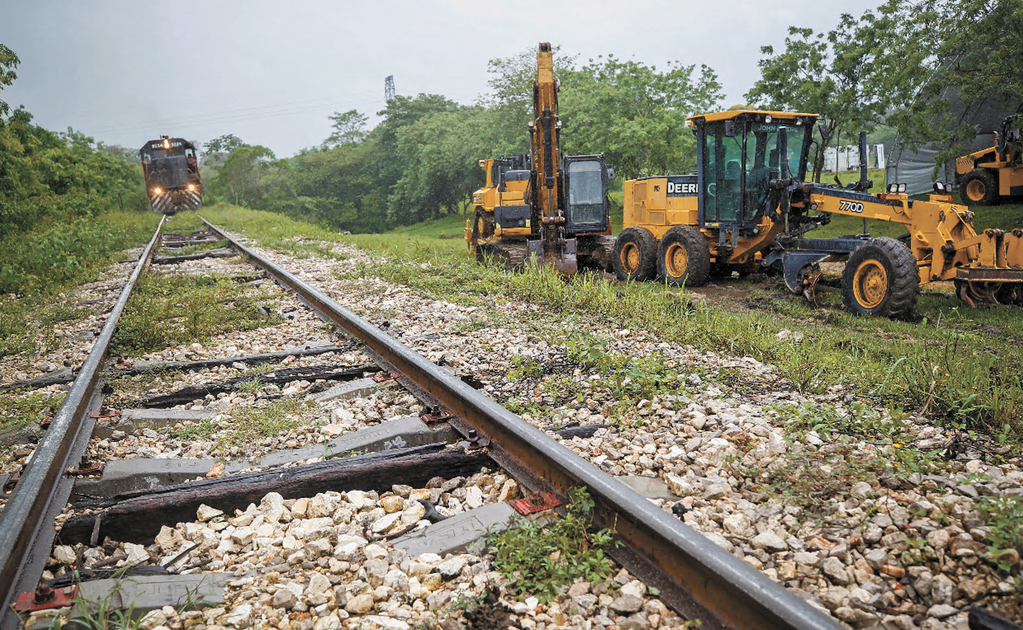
[[696, 577], [25, 516]]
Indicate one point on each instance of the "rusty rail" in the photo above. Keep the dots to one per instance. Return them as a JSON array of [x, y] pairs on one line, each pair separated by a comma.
[[696, 577], [26, 523]]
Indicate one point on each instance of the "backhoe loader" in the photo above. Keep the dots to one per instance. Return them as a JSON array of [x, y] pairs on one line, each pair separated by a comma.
[[995, 173], [556, 212], [747, 208]]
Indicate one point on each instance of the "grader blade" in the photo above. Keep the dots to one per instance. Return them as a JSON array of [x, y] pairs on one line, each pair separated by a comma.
[[989, 285]]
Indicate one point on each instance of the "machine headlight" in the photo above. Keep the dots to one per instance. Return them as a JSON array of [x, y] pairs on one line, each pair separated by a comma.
[[191, 186], [157, 191], [767, 118], [902, 188]]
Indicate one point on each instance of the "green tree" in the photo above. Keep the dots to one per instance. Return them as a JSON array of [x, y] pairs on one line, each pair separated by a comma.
[[936, 51], [8, 62], [216, 151], [349, 127], [511, 96], [246, 175], [635, 114], [439, 155], [827, 74]]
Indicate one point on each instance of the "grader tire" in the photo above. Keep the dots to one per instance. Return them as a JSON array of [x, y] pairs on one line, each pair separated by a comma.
[[635, 255], [979, 187], [881, 278], [683, 257]]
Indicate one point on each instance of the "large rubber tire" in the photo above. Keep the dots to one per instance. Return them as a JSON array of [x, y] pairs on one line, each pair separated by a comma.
[[978, 187], [684, 257], [881, 278], [635, 256]]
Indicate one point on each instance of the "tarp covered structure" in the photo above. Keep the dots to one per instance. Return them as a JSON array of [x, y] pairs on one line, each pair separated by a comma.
[[915, 168]]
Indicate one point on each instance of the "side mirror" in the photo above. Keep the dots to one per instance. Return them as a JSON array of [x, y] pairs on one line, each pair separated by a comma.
[[729, 128], [610, 173]]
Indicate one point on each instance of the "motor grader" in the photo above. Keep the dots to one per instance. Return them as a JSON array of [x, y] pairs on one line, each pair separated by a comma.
[[550, 207], [748, 208], [994, 173]]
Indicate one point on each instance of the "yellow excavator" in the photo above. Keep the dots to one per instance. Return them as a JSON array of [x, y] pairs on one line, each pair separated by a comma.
[[994, 173], [748, 208], [507, 188], [550, 207]]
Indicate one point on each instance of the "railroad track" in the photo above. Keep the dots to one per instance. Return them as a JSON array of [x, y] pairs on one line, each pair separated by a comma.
[[695, 577]]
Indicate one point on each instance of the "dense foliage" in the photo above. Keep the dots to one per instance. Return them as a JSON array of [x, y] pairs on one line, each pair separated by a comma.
[[904, 65], [421, 160], [46, 174], [52, 187]]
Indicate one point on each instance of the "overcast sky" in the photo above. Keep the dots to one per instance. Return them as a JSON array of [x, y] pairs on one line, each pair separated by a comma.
[[271, 72]]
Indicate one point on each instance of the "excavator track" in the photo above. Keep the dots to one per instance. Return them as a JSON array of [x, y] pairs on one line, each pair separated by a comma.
[[512, 254], [596, 251]]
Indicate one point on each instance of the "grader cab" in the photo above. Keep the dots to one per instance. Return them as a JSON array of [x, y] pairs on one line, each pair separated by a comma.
[[748, 207]]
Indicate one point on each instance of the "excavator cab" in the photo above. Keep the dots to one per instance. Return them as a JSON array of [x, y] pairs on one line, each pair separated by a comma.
[[586, 180]]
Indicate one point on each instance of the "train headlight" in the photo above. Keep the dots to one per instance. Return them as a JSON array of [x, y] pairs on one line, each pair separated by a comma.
[[157, 191], [191, 186], [166, 143]]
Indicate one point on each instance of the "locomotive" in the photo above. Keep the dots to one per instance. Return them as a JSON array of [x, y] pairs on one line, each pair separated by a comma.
[[172, 175]]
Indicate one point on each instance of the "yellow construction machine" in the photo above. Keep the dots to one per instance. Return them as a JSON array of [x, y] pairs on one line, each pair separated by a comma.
[[747, 208], [553, 208], [994, 173], [507, 188]]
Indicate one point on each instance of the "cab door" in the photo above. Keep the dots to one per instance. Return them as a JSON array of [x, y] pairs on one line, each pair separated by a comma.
[[721, 172]]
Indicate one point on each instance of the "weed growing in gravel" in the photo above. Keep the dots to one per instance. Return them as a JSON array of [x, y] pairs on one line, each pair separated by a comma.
[[18, 409], [1004, 517], [524, 368], [538, 560], [198, 430], [195, 249], [170, 310], [250, 424], [811, 477], [249, 387], [624, 375], [14, 328], [827, 422]]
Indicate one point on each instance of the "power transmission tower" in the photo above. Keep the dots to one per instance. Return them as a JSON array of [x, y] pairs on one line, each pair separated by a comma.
[[389, 91]]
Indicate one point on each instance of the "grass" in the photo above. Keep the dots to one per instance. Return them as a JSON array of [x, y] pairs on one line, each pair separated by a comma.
[[19, 408], [41, 267], [272, 230], [250, 424], [170, 310]]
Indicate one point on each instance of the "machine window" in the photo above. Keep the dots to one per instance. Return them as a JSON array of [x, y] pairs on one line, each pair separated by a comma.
[[586, 194], [586, 183], [722, 180]]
